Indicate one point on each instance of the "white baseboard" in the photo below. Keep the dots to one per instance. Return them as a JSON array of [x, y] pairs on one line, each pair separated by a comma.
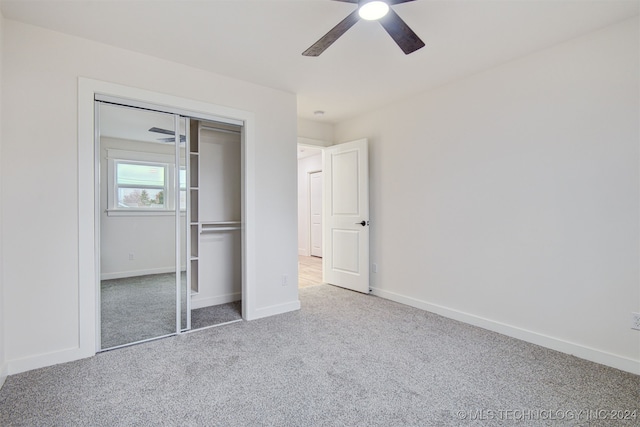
[[578, 350], [48, 359], [272, 310], [135, 273], [200, 302]]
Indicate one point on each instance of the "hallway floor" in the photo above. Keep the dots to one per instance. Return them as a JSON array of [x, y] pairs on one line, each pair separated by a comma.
[[309, 271]]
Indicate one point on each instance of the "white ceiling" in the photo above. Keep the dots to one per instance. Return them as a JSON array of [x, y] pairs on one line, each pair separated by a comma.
[[261, 41]]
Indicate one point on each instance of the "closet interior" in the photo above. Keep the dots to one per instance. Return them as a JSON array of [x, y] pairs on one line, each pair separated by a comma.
[[215, 262]]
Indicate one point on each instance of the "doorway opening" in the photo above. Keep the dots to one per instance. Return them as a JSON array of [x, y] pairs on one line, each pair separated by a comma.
[[310, 196], [343, 229]]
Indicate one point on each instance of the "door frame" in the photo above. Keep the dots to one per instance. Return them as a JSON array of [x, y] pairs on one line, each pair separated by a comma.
[[88, 227], [309, 173]]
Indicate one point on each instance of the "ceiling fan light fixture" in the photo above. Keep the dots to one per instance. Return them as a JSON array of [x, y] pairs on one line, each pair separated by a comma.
[[373, 10], [405, 37]]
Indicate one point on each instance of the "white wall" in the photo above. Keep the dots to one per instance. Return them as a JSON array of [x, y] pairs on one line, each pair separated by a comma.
[[308, 129], [305, 166], [40, 100], [3, 366], [510, 199]]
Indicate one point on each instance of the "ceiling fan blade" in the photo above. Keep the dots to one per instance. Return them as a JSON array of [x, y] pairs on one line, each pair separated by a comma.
[[327, 40], [401, 33], [183, 138], [163, 131], [390, 2]]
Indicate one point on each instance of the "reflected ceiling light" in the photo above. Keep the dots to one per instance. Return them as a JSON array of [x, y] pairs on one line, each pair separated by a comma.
[[373, 10]]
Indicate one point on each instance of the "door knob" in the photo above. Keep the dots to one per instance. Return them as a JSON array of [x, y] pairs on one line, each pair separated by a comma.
[[363, 223]]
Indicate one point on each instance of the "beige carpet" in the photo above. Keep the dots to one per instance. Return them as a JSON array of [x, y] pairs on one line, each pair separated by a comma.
[[344, 359]]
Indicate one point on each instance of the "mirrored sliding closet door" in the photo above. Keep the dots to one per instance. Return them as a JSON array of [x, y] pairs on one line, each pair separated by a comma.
[[142, 232]]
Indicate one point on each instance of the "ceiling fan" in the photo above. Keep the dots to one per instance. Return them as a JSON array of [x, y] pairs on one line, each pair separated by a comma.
[[183, 138], [372, 10]]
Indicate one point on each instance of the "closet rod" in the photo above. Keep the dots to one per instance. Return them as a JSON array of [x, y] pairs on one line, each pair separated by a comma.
[[219, 130], [213, 230]]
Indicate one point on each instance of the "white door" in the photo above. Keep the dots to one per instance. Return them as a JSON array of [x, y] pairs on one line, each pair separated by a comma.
[[315, 193], [346, 216]]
